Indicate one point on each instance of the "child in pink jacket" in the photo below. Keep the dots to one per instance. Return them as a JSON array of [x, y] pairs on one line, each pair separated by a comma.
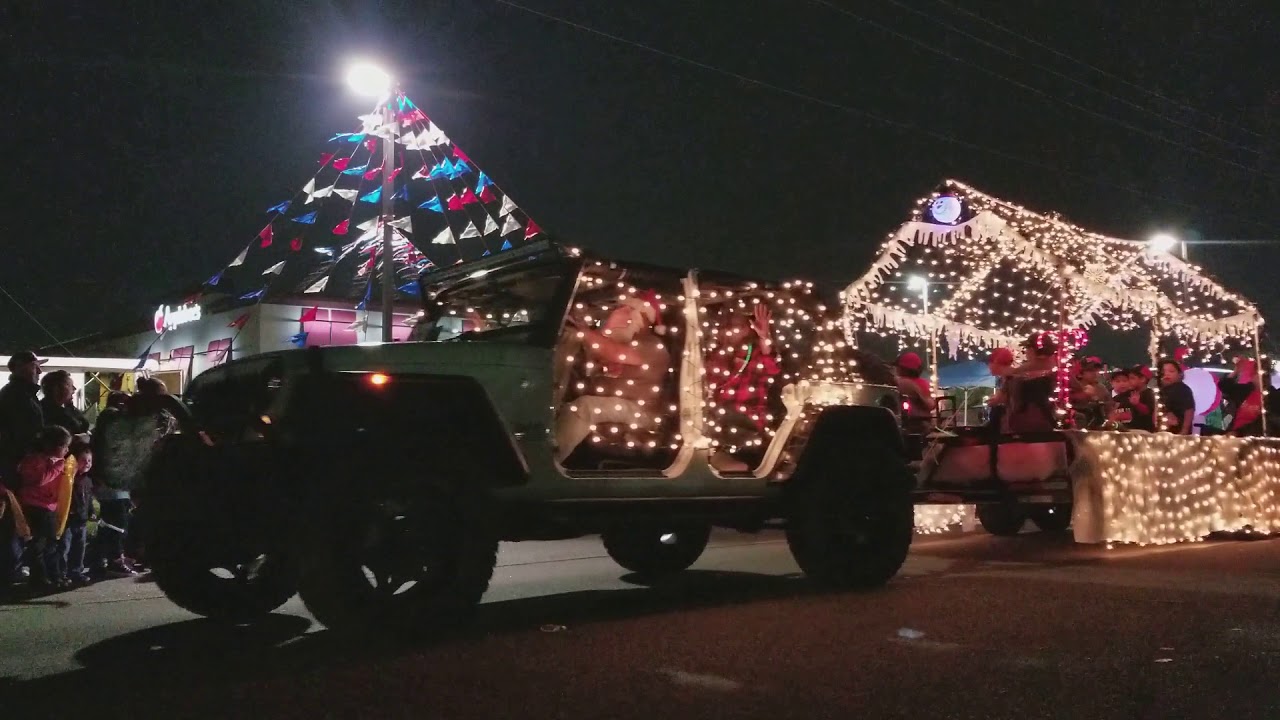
[[40, 472]]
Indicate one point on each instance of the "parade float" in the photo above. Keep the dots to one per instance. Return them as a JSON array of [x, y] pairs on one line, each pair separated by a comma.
[[969, 273]]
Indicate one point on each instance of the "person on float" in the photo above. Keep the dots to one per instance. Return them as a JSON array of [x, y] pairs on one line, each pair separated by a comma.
[[917, 394], [1240, 391], [1120, 413], [631, 365], [1000, 365], [1177, 402], [1031, 388], [1141, 399], [1089, 396], [59, 392], [21, 420], [740, 374]]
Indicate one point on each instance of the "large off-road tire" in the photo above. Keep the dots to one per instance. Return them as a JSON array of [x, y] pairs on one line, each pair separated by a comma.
[[1002, 519], [234, 590], [851, 519], [1051, 518], [409, 563], [653, 550]]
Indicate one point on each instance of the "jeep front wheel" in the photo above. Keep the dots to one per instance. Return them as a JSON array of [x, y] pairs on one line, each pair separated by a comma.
[[416, 563], [656, 551]]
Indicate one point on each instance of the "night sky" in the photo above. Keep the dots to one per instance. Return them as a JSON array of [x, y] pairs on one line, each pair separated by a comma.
[[144, 144]]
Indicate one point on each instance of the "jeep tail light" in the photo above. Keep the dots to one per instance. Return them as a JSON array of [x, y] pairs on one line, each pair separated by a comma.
[[379, 379]]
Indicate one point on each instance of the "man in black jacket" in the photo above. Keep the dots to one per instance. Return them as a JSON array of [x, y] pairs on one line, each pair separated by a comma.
[[21, 420]]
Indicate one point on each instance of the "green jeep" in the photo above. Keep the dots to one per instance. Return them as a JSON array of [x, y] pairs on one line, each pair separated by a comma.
[[378, 480]]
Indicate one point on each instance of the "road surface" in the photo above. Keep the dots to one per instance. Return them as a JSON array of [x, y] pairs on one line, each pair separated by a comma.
[[975, 627]]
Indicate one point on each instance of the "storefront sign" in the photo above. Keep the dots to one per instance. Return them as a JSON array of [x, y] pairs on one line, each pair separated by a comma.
[[168, 318]]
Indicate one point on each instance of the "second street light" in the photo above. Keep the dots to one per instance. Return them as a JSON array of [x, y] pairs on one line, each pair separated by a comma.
[[1165, 243], [370, 80]]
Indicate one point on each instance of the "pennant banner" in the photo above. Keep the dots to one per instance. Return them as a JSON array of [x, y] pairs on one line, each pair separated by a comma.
[[444, 238], [275, 269], [318, 286], [278, 209], [240, 258], [308, 219], [433, 205]]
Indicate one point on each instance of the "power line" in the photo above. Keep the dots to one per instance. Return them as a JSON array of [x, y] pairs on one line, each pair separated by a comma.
[[867, 114], [1075, 81], [1094, 68], [1042, 93]]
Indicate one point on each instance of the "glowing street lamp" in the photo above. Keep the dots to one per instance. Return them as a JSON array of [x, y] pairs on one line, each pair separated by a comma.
[[370, 80], [1165, 243]]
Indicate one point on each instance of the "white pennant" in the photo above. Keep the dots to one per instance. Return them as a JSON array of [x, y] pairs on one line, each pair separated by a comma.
[[371, 122], [507, 207], [470, 232], [310, 190], [318, 286], [510, 225], [347, 195], [407, 139], [368, 223], [434, 136], [323, 192], [369, 234], [405, 223], [360, 324], [275, 269], [240, 258], [489, 225], [444, 238]]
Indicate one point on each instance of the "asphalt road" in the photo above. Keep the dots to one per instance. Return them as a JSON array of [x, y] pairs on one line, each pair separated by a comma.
[[975, 627]]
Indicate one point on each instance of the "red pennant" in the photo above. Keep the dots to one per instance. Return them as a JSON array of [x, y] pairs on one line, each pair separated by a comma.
[[308, 315], [412, 116], [325, 158], [265, 235], [239, 322], [531, 229], [457, 152], [371, 174], [396, 172], [295, 244], [341, 163], [469, 197], [454, 202], [488, 195], [341, 228], [371, 144]]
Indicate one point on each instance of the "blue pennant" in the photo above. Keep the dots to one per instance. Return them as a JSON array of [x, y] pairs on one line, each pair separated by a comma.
[[484, 254], [482, 183], [422, 263], [215, 279], [460, 168], [372, 197], [506, 244], [299, 339], [356, 170], [409, 288], [368, 295], [402, 193], [402, 102], [433, 205], [308, 219], [442, 171], [256, 294], [355, 138], [279, 208], [339, 136]]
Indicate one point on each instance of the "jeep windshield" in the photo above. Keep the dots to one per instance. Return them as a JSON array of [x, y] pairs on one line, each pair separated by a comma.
[[509, 305]]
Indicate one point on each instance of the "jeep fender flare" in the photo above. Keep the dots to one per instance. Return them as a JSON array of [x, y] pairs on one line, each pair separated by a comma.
[[844, 435]]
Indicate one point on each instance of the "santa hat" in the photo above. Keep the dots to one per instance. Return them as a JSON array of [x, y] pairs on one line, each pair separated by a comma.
[[645, 301], [1003, 356], [910, 361]]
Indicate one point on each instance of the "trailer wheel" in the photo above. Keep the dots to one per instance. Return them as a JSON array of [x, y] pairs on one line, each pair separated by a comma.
[[1051, 518], [654, 551], [1002, 520]]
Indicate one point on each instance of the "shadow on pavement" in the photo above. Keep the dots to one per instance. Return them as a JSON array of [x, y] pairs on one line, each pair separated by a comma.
[[174, 668]]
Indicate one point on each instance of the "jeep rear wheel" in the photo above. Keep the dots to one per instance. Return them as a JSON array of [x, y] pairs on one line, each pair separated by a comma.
[[851, 529], [234, 590], [653, 551], [1002, 519], [414, 564]]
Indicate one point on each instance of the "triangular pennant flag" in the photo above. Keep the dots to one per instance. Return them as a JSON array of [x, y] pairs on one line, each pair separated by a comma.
[[469, 197], [341, 163], [356, 170], [371, 222], [405, 223], [457, 152], [369, 234], [433, 205], [355, 138], [318, 285], [309, 314], [371, 145], [256, 294], [324, 251], [444, 238], [433, 135], [240, 258], [325, 158], [407, 140], [483, 182], [470, 231], [308, 219], [295, 244], [413, 116], [485, 254], [489, 225], [409, 289], [442, 171], [341, 228], [361, 323], [370, 122], [275, 269], [299, 339], [487, 195], [402, 193], [368, 293], [280, 208], [239, 322], [347, 194], [371, 174], [215, 279], [396, 172], [531, 229], [310, 190], [265, 236], [508, 207], [454, 202], [372, 197], [506, 244], [323, 192], [339, 136], [510, 225], [460, 168]]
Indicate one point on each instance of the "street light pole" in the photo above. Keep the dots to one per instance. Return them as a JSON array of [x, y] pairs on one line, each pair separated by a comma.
[[388, 214], [933, 338]]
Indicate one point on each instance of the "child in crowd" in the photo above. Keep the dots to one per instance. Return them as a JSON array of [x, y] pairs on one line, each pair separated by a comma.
[[73, 538], [40, 472]]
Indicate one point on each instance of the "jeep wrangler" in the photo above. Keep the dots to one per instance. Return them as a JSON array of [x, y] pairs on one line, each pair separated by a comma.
[[377, 480]]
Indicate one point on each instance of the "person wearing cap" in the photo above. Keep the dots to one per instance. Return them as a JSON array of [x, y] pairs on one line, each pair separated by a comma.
[[917, 395], [628, 363], [21, 421]]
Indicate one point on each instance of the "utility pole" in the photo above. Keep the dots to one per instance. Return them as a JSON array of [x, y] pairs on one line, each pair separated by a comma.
[[388, 214]]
